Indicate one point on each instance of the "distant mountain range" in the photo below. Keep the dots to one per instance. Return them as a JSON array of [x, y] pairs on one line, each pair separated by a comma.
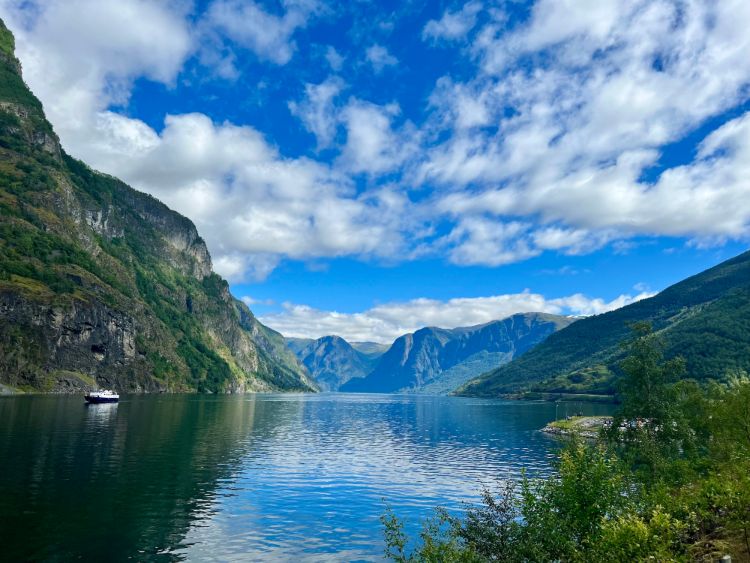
[[437, 360], [332, 361], [705, 319]]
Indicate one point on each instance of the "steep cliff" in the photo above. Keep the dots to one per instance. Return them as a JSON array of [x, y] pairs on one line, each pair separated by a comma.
[[103, 285], [439, 360]]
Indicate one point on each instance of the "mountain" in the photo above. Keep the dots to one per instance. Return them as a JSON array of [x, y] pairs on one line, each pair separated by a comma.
[[372, 350], [296, 345], [332, 361], [705, 319], [101, 284], [439, 360]]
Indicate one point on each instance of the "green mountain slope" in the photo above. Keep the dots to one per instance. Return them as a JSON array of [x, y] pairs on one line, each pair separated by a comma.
[[705, 319], [437, 360], [102, 284]]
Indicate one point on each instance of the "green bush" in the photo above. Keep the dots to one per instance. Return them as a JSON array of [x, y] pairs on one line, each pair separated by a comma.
[[631, 537]]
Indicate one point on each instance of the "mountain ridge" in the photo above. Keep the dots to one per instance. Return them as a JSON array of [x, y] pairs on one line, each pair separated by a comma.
[[705, 318], [415, 361], [332, 361]]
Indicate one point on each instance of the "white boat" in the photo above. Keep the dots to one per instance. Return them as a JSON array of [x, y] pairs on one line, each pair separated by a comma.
[[105, 396]]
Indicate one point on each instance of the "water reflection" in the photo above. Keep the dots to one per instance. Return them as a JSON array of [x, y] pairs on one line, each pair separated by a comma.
[[125, 480], [269, 477], [100, 414]]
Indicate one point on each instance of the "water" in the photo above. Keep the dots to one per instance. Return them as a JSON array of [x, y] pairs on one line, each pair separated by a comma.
[[258, 477]]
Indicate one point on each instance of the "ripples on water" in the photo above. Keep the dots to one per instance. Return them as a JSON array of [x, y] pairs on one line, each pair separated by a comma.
[[259, 477]]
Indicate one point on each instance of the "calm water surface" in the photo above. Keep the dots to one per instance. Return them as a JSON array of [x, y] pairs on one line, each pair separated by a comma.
[[258, 478]]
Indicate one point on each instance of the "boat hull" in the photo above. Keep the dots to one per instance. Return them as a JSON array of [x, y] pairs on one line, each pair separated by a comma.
[[97, 400]]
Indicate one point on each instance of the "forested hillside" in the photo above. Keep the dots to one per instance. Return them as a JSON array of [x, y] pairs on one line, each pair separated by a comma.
[[705, 319], [103, 285]]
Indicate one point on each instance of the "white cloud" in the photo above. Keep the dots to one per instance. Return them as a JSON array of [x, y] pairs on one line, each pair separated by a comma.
[[482, 240], [460, 106], [579, 102], [81, 56], [318, 111], [379, 57], [251, 204], [335, 60], [372, 145], [384, 323], [453, 25], [268, 35], [493, 243], [547, 147]]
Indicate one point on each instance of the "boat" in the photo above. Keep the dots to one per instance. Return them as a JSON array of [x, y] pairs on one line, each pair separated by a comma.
[[105, 396]]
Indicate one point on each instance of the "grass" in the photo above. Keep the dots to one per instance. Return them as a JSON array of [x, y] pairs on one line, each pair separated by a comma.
[[66, 374], [586, 426], [7, 43], [570, 423], [27, 286]]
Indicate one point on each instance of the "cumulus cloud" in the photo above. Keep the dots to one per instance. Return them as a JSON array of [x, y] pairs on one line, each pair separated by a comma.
[[384, 323], [251, 204], [379, 57], [483, 241], [582, 99], [248, 25], [549, 140], [453, 25], [372, 144], [119, 42]]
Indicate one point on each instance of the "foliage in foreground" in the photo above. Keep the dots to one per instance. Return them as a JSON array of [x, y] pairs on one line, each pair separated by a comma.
[[669, 481]]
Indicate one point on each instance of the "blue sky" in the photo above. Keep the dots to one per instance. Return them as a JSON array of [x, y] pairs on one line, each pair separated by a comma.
[[366, 168]]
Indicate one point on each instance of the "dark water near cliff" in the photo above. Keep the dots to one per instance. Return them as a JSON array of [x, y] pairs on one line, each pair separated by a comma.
[[265, 477]]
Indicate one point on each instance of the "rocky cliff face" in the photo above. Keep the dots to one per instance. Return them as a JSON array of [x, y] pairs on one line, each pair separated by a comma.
[[439, 360], [332, 361], [103, 285]]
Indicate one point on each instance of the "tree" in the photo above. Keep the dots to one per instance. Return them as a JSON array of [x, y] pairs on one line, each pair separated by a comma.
[[644, 389], [647, 427]]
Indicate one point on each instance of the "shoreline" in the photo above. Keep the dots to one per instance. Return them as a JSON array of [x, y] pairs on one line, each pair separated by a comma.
[[581, 426], [562, 397], [8, 391], [547, 396]]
